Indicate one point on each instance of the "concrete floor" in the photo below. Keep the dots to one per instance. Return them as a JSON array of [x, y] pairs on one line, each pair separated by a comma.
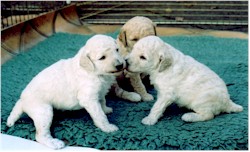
[[14, 40], [161, 31]]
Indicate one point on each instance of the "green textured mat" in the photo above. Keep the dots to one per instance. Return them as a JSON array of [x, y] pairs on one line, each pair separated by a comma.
[[227, 57]]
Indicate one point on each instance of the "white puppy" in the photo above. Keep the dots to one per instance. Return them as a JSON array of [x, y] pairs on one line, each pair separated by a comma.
[[133, 30], [72, 84], [181, 79]]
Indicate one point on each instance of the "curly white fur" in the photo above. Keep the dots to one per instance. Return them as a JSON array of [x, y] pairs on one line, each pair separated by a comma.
[[181, 79], [72, 84]]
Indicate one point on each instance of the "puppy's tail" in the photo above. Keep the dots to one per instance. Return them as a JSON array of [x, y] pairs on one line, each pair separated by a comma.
[[15, 113], [233, 107]]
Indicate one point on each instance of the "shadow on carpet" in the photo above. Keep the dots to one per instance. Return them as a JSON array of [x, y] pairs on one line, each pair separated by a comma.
[[227, 57]]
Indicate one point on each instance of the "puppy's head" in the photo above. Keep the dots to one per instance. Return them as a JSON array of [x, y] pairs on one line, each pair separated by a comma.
[[135, 29], [149, 54], [100, 55]]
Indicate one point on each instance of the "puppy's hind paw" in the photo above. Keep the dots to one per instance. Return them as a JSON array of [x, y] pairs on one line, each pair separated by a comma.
[[189, 117], [148, 121], [10, 123], [195, 117]]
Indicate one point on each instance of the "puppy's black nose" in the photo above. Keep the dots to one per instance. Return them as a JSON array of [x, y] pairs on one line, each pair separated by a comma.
[[119, 67], [126, 60]]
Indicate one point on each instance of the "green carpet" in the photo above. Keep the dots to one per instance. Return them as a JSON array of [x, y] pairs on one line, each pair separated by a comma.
[[227, 57]]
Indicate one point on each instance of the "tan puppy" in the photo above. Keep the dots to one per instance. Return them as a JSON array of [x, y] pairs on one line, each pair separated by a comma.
[[181, 79], [135, 29]]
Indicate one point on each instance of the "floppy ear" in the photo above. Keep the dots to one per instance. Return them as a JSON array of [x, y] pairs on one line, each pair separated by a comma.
[[123, 38], [154, 25], [165, 61], [86, 62]]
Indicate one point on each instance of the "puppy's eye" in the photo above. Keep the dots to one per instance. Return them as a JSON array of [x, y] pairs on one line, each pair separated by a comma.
[[117, 50], [102, 58], [142, 57], [135, 39]]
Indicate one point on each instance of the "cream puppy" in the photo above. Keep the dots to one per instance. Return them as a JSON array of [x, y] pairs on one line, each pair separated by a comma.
[[72, 84], [132, 31], [181, 79]]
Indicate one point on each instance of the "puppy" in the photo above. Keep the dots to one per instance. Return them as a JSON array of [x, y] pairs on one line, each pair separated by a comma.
[[72, 84], [181, 79], [133, 30]]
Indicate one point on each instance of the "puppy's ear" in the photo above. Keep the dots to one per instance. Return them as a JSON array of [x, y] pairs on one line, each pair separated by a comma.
[[154, 25], [165, 60], [123, 38], [86, 62]]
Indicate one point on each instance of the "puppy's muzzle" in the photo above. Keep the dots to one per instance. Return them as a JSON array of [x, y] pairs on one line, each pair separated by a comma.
[[127, 64], [119, 67], [126, 61]]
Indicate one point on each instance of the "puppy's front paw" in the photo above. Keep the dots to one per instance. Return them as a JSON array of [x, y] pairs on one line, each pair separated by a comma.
[[148, 121], [107, 110], [147, 97], [56, 144], [135, 97], [109, 128], [53, 143]]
